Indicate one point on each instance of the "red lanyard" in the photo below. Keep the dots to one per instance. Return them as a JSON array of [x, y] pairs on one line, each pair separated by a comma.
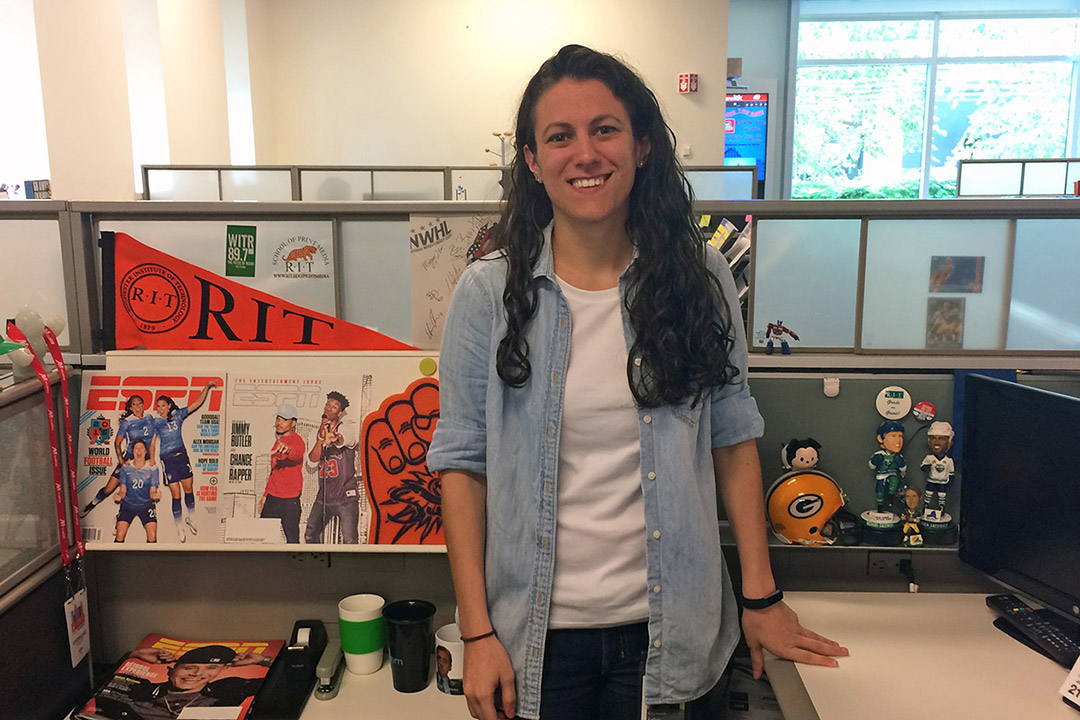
[[61, 519], [73, 485]]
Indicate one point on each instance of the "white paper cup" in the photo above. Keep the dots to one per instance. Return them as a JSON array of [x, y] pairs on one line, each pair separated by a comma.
[[363, 632], [449, 659]]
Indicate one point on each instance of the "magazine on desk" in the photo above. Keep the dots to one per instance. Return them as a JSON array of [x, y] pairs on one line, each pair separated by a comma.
[[261, 456], [166, 679]]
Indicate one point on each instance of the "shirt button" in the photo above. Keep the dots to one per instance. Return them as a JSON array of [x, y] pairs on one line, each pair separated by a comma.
[[656, 588], [647, 419], [651, 475], [637, 361], [656, 643], [656, 534]]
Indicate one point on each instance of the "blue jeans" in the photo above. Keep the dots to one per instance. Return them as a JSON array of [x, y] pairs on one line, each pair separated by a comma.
[[596, 673]]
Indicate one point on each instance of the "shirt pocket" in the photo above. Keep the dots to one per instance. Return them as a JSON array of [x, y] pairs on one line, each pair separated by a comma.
[[689, 411]]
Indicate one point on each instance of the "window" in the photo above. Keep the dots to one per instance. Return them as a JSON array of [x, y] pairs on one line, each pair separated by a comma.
[[886, 108]]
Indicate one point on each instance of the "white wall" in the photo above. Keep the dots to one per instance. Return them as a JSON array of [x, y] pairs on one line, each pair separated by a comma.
[[426, 82], [84, 92], [193, 68], [24, 150], [345, 82]]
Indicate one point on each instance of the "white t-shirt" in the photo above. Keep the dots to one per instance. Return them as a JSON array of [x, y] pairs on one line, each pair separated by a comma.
[[600, 566]]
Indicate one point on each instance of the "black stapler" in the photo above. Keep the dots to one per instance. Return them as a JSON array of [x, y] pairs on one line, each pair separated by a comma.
[[291, 678]]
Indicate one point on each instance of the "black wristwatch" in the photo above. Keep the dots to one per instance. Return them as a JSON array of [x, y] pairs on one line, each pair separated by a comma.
[[762, 603]]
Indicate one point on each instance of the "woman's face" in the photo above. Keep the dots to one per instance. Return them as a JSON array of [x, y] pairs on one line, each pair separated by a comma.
[[162, 408], [139, 451], [137, 406], [586, 154]]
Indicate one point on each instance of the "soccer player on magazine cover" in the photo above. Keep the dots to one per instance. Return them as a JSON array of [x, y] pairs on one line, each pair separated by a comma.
[[135, 424], [139, 490], [169, 427]]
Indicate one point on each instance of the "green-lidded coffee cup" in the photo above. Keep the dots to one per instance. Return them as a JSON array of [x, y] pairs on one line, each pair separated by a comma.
[[363, 632]]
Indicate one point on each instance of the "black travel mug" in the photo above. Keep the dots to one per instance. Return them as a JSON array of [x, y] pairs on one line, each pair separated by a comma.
[[410, 630]]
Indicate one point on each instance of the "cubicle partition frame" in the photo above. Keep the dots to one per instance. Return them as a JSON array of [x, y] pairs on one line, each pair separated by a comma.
[[867, 211], [296, 174], [447, 171], [25, 395], [1023, 163], [294, 180], [76, 298], [87, 216]]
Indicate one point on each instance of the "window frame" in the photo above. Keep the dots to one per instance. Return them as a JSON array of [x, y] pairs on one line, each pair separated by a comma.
[[932, 64]]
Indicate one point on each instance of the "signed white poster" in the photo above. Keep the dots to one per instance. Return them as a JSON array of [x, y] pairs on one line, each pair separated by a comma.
[[440, 247]]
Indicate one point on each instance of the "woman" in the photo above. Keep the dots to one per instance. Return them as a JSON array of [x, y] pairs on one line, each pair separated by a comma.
[[593, 399], [134, 425], [174, 456], [139, 490]]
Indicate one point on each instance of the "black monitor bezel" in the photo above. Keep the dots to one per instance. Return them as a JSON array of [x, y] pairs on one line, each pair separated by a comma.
[[1056, 599]]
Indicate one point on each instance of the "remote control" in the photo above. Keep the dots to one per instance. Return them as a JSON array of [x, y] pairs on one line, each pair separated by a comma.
[[1007, 604], [1040, 630]]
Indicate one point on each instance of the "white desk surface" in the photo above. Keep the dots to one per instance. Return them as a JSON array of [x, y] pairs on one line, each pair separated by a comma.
[[920, 656], [373, 696]]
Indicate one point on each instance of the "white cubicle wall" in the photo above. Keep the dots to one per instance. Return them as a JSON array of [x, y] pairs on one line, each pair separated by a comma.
[[907, 297], [807, 278], [177, 184], [1045, 295], [28, 527], [256, 185], [919, 278], [723, 183], [35, 271], [36, 241], [1017, 177]]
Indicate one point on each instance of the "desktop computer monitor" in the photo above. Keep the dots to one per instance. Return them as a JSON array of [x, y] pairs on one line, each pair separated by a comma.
[[1020, 502], [746, 132]]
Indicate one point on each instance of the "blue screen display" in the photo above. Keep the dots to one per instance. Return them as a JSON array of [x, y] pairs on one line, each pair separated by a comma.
[[746, 130]]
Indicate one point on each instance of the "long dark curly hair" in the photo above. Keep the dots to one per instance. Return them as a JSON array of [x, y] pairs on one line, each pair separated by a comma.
[[682, 326]]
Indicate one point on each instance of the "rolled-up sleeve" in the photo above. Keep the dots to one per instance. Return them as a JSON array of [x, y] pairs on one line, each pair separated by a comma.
[[465, 367], [735, 416]]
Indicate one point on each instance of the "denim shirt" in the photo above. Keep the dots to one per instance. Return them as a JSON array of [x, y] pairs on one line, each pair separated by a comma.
[[511, 436]]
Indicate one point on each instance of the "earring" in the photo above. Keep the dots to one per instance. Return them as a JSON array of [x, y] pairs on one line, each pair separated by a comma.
[[538, 179], [641, 164]]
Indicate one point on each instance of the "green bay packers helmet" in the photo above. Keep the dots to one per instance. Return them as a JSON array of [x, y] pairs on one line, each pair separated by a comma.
[[801, 506]]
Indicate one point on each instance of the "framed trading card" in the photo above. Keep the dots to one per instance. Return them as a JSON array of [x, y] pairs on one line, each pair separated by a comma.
[[956, 273], [945, 323]]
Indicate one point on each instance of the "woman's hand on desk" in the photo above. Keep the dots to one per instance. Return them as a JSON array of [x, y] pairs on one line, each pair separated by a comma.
[[777, 630], [489, 675]]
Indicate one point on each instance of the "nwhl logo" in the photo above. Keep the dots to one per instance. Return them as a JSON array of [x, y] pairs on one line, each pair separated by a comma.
[[100, 430], [109, 393]]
